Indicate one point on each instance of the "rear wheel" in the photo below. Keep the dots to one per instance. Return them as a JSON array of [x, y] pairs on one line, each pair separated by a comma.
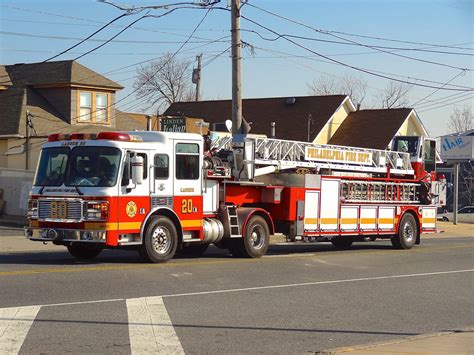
[[407, 233], [84, 251], [342, 242], [255, 241], [161, 240]]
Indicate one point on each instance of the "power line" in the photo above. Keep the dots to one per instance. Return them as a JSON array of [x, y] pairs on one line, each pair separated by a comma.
[[21, 34], [449, 104], [352, 43], [362, 36], [348, 65], [462, 72], [157, 71], [377, 48]]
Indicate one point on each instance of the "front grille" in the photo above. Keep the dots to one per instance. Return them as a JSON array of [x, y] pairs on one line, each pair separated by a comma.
[[60, 209], [157, 201]]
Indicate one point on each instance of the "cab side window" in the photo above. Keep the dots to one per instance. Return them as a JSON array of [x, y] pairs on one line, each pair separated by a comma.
[[187, 161], [161, 163]]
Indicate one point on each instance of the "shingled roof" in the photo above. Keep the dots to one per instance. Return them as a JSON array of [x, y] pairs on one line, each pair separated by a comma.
[[370, 128], [66, 72], [289, 114], [4, 77]]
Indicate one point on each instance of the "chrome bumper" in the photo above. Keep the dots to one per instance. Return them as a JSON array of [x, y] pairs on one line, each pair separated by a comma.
[[65, 235]]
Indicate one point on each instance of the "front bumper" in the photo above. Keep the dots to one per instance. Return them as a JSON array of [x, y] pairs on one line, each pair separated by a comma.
[[59, 236]]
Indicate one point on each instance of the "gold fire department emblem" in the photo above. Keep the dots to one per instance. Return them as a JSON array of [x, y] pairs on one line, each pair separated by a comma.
[[131, 209]]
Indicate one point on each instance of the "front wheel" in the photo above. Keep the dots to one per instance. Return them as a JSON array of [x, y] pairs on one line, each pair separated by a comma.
[[407, 233], [160, 241], [84, 251], [255, 241]]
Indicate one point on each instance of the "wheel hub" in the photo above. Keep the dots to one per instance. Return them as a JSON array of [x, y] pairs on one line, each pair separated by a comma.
[[408, 232], [161, 240], [256, 237]]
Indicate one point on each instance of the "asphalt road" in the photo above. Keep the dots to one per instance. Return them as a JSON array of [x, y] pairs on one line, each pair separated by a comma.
[[298, 298]]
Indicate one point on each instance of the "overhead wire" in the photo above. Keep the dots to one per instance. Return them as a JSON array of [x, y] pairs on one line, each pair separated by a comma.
[[349, 65]]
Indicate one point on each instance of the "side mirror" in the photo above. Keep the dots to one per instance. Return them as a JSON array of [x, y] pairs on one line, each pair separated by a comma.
[[137, 169]]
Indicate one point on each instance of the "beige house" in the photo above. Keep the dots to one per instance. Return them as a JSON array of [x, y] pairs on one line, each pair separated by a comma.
[[331, 119], [54, 97]]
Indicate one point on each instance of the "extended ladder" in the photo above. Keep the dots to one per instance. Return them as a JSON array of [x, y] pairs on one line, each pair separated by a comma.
[[267, 155]]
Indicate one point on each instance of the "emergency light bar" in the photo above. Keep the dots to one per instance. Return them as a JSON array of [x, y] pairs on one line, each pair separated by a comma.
[[111, 136]]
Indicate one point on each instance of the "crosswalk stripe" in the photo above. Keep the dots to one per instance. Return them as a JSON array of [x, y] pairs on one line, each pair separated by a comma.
[[150, 327], [15, 323]]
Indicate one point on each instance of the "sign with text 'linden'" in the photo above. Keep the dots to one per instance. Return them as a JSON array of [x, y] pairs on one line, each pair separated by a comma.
[[338, 155]]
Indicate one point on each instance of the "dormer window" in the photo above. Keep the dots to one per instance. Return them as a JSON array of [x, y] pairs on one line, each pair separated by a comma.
[[93, 107]]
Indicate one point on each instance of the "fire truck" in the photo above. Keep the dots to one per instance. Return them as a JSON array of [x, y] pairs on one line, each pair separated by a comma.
[[165, 193]]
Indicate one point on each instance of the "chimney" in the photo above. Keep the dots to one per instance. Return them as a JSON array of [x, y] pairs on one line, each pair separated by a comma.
[[272, 129], [148, 122]]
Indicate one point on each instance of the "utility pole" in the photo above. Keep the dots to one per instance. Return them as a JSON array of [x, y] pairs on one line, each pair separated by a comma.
[[27, 139], [197, 77], [456, 193], [236, 69], [310, 119]]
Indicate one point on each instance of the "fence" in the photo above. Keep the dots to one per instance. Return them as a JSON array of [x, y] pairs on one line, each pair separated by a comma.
[[16, 185]]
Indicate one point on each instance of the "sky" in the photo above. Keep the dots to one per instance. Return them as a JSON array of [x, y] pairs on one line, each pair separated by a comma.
[[273, 65]]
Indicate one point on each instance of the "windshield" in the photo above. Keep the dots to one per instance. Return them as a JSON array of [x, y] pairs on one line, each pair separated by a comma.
[[81, 166], [407, 145], [92, 166], [52, 166]]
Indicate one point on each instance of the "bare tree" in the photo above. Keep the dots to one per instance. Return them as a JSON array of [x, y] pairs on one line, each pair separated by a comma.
[[461, 120], [164, 81], [394, 95], [353, 86]]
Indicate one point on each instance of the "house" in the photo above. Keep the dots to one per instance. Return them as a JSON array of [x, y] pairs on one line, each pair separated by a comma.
[[329, 119], [376, 128], [38, 99], [295, 118]]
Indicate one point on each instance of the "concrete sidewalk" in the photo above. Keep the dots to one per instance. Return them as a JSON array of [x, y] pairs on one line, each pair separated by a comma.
[[453, 342]]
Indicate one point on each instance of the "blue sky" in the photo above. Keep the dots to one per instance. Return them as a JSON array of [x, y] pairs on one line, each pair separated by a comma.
[[32, 31]]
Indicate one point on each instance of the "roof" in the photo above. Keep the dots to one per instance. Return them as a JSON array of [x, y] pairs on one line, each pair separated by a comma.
[[289, 114], [370, 128], [4, 77], [66, 72]]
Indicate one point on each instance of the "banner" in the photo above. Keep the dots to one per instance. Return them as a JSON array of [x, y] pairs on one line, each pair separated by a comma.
[[338, 155]]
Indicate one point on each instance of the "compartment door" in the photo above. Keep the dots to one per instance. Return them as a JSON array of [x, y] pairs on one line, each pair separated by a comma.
[[329, 205], [349, 218], [311, 211], [428, 218], [368, 218], [386, 218]]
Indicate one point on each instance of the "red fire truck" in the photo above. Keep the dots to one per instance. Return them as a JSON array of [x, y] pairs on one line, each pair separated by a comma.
[[163, 193]]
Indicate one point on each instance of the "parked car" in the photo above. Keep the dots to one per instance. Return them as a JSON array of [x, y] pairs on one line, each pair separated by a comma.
[[465, 215]]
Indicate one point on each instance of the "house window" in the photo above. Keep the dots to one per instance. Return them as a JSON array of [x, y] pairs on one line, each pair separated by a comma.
[[85, 107], [93, 107]]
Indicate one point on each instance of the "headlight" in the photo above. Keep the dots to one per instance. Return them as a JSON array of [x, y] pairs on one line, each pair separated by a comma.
[[97, 210], [32, 209]]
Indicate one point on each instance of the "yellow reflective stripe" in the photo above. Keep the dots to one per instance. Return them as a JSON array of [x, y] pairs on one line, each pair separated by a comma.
[[385, 220], [311, 221], [328, 220], [191, 223], [367, 221], [348, 220], [429, 220]]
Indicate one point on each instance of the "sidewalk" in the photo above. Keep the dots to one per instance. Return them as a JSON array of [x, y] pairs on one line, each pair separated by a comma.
[[452, 342]]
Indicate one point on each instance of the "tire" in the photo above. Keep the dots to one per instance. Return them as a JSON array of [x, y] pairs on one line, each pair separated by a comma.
[[255, 240], [407, 233], [193, 250], [342, 242], [160, 240], [84, 251]]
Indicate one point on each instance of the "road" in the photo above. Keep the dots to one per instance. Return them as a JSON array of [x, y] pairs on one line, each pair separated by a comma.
[[298, 298]]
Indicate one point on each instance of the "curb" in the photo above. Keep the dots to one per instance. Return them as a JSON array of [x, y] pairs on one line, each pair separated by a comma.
[[345, 349]]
